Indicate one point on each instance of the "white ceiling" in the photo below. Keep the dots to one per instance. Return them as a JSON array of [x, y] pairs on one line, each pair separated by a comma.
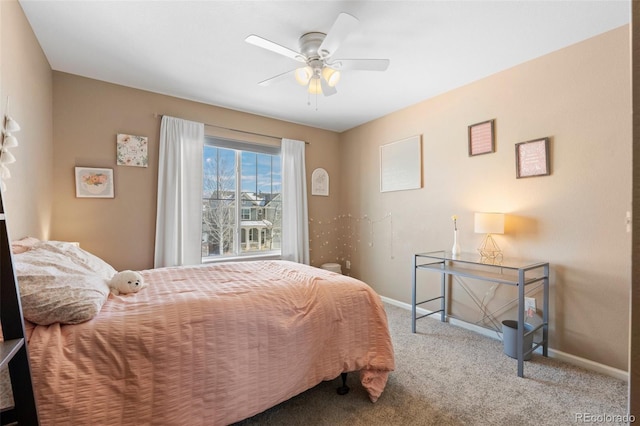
[[196, 50]]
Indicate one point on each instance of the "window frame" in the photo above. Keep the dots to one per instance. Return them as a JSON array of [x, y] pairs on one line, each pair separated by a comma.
[[239, 147]]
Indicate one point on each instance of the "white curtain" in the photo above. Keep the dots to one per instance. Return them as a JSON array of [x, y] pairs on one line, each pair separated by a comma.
[[179, 216], [295, 225]]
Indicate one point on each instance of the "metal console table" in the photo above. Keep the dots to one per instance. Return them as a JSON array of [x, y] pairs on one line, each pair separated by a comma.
[[515, 272]]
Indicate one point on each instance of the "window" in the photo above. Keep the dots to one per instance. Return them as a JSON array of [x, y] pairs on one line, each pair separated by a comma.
[[241, 200]]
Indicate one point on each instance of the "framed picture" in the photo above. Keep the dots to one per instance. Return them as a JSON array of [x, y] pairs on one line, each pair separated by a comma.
[[132, 150], [532, 158], [481, 138], [320, 182], [401, 165], [94, 183]]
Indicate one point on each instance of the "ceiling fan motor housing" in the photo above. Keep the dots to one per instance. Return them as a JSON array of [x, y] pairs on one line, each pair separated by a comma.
[[309, 45]]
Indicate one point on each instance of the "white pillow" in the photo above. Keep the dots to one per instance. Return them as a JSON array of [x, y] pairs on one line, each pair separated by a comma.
[[89, 262], [60, 282]]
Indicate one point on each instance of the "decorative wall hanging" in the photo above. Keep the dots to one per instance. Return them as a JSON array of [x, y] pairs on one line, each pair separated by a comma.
[[349, 235], [532, 158], [320, 182], [94, 183], [132, 150], [9, 125], [401, 165], [481, 138]]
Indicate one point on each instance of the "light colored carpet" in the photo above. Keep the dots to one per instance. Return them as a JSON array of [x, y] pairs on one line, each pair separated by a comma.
[[446, 375]]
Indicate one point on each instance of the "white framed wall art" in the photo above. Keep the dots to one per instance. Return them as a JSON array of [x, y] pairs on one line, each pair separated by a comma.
[[320, 182], [401, 165]]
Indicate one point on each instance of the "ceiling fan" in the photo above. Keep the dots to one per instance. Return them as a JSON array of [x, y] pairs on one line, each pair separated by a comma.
[[321, 72]]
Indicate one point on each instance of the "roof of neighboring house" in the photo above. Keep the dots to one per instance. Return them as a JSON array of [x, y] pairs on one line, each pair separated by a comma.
[[255, 223]]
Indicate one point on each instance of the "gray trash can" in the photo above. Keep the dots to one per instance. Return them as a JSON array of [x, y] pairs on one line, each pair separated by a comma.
[[510, 338]]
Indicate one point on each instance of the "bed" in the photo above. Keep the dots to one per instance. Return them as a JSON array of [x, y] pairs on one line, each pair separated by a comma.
[[209, 344]]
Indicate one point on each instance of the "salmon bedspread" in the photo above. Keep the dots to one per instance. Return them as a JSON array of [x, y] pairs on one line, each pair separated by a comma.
[[210, 345]]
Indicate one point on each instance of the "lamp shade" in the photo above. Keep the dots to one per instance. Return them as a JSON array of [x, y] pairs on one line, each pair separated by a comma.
[[489, 223]]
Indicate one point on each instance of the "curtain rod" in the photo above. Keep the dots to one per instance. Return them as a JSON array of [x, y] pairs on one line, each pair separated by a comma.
[[156, 115]]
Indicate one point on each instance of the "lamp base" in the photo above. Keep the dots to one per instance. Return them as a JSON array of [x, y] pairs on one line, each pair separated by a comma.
[[489, 250]]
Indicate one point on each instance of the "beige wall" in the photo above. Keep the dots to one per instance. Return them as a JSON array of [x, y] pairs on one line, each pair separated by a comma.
[[88, 114], [25, 77], [574, 218]]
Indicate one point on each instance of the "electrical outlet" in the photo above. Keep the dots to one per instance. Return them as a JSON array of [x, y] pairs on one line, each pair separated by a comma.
[[348, 264], [530, 306]]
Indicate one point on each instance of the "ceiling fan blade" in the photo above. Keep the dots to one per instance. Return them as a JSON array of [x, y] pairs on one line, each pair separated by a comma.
[[280, 77], [341, 28], [326, 89], [360, 64], [275, 47]]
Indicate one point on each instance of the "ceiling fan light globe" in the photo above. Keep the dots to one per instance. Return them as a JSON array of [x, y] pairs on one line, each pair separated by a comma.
[[315, 87], [303, 75], [331, 76]]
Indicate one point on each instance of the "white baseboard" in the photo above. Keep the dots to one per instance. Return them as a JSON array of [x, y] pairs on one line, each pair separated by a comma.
[[553, 353]]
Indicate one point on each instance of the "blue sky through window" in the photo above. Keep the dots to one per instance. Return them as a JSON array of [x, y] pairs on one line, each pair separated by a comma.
[[260, 172]]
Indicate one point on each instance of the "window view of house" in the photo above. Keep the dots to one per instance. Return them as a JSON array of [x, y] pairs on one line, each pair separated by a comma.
[[241, 200]]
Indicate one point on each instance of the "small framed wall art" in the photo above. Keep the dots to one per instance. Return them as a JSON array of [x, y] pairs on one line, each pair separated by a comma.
[[94, 183], [482, 138], [320, 182], [132, 150], [532, 158]]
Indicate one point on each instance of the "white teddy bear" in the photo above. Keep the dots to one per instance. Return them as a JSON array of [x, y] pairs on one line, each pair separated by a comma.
[[125, 282]]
